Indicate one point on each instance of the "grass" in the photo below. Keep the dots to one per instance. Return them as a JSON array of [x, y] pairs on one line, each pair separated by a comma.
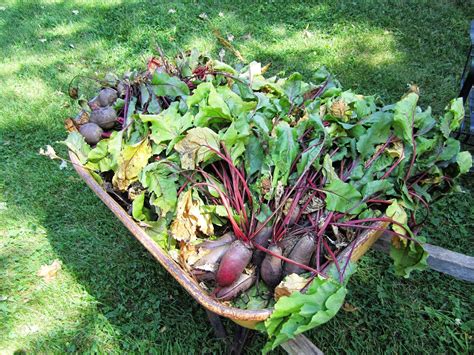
[[111, 296]]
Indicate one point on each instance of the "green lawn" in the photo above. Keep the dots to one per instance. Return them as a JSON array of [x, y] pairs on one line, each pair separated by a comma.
[[110, 295]]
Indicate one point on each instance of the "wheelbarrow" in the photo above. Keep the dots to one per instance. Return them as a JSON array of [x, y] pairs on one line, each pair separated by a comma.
[[243, 317]]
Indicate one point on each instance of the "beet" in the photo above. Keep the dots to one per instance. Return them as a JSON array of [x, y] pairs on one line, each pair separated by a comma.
[[107, 97], [105, 117], [271, 269], [94, 103], [91, 133], [301, 253], [233, 263], [262, 238], [213, 257], [243, 283], [227, 238]]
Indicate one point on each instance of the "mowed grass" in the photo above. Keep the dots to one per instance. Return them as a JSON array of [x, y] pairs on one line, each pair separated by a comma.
[[111, 296]]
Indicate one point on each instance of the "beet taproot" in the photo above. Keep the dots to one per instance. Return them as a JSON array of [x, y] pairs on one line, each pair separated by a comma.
[[301, 253], [262, 238], [227, 238], [213, 257], [94, 103], [107, 97], [91, 132], [105, 117], [233, 263], [243, 283], [271, 269]]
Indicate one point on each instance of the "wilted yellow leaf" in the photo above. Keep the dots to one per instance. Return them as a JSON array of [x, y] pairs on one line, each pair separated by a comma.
[[190, 219], [194, 148], [398, 214], [290, 284], [132, 159], [396, 150], [49, 272]]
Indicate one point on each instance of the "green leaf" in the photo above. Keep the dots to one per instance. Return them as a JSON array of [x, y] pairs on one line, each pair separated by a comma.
[[160, 179], [212, 108], [424, 121], [404, 114], [450, 150], [158, 231], [236, 137], [284, 149], [196, 147], [222, 67], [408, 258], [144, 94], [396, 212], [105, 155], [76, 143], [294, 86], [254, 156], [343, 197], [376, 134], [165, 85], [199, 94], [139, 212], [300, 312], [424, 145], [373, 187], [464, 160], [169, 124]]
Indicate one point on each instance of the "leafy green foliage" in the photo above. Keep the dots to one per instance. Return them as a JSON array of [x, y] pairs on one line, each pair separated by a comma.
[[305, 310], [76, 143], [284, 149], [408, 258], [168, 125], [404, 116], [166, 85], [342, 197], [160, 180]]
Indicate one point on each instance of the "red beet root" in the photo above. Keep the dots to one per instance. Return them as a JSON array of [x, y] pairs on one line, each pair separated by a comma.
[[233, 263], [271, 269], [301, 253], [243, 283]]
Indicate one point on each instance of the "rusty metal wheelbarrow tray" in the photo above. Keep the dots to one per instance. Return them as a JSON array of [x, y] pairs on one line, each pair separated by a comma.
[[243, 317]]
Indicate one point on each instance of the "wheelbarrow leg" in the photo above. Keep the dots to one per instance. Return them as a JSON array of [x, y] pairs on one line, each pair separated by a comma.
[[215, 320], [240, 338]]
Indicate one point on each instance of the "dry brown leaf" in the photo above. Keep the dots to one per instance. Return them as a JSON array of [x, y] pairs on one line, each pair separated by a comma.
[[190, 219], [49, 152], [49, 272], [349, 308], [227, 44], [290, 284]]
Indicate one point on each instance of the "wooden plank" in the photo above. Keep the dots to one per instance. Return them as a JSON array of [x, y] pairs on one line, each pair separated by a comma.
[[301, 346], [215, 320], [458, 265]]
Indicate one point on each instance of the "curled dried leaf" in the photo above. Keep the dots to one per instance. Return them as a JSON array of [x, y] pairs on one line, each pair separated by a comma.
[[290, 284], [190, 219]]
